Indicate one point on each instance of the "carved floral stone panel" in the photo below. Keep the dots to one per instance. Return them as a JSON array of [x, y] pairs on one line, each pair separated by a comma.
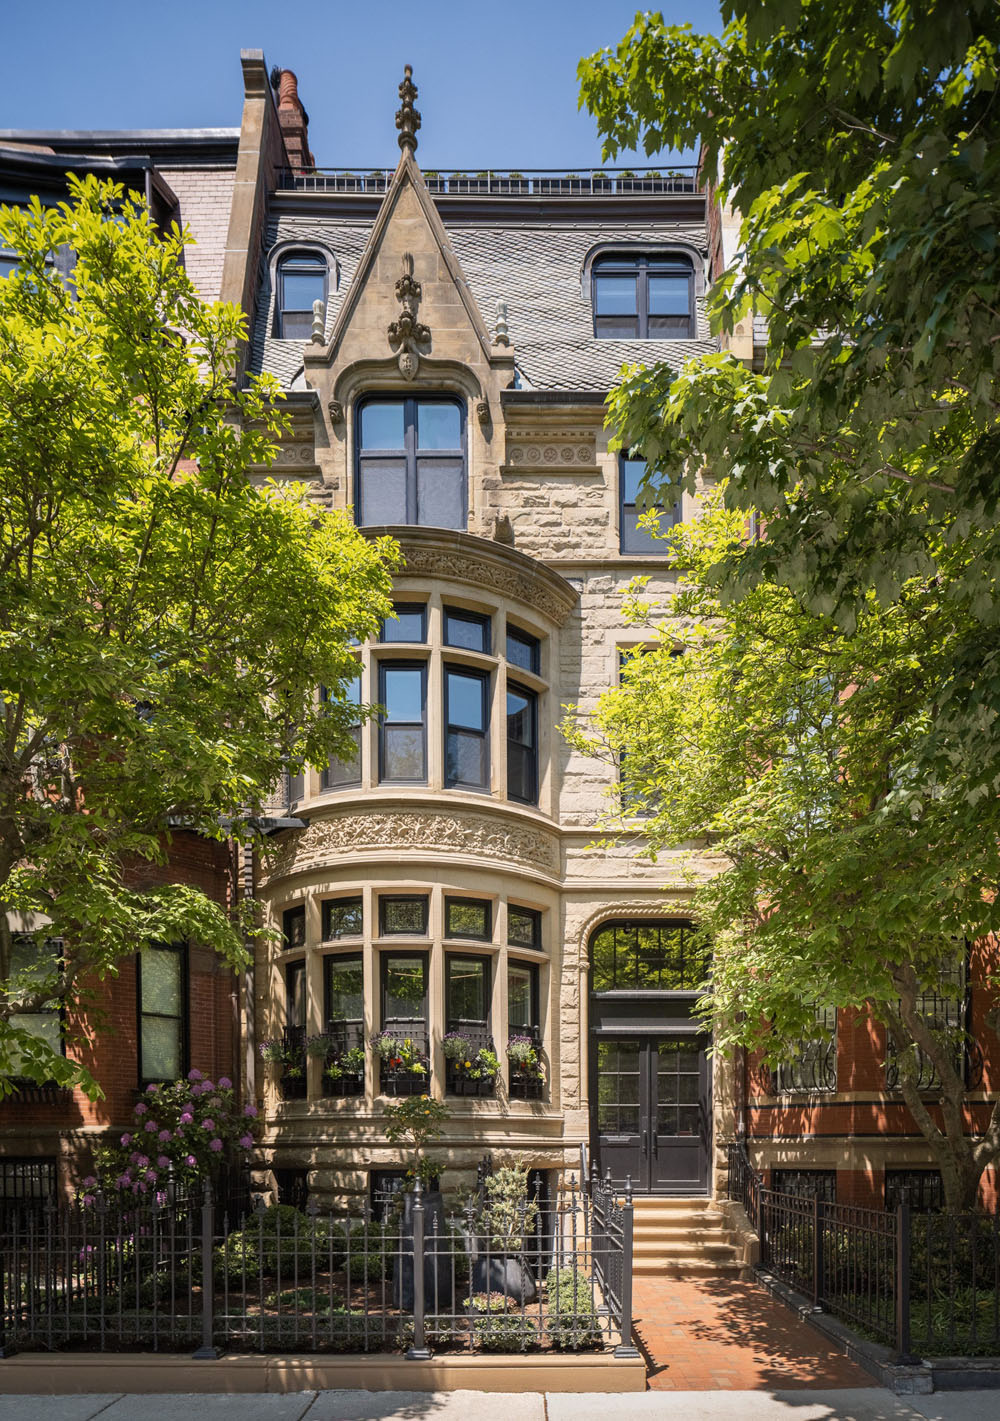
[[477, 834]]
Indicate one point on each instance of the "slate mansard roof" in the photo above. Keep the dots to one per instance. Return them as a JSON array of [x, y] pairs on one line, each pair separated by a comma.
[[536, 267]]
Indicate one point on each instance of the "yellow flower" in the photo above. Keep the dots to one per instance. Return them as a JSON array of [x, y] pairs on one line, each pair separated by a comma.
[[468, 1063]]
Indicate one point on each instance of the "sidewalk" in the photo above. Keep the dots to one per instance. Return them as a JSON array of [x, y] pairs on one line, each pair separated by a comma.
[[849, 1404]]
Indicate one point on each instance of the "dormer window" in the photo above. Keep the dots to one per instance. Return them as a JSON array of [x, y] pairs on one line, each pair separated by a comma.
[[411, 463], [301, 280], [643, 295]]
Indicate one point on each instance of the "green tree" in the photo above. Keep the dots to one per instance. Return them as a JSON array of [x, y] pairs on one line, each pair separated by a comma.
[[166, 617], [775, 750], [859, 141]]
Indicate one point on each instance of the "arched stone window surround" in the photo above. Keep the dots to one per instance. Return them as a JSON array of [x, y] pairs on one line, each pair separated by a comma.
[[311, 246]]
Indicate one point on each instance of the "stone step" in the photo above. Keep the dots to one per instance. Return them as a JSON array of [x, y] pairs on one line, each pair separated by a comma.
[[660, 1268], [656, 1249], [670, 1202], [668, 1233]]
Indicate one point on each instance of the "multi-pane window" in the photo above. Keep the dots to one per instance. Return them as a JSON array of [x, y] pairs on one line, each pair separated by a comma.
[[342, 917], [468, 990], [467, 724], [301, 281], [643, 295], [522, 744], [523, 650], [468, 917], [411, 463], [295, 994], [818, 1184], [341, 773], [404, 986], [162, 982], [293, 926], [524, 926], [402, 915], [650, 956], [409, 624], [522, 998], [27, 1182], [403, 726], [344, 988], [466, 629], [634, 539], [32, 964], [924, 1189]]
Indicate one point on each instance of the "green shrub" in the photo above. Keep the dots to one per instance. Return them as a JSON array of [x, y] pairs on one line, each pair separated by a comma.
[[279, 1237], [572, 1316], [368, 1254], [510, 1333]]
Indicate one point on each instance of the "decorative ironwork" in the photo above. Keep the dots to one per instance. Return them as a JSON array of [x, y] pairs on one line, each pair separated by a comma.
[[681, 180], [460, 1074], [948, 1017], [407, 117], [812, 1067], [294, 1082], [406, 334], [649, 955]]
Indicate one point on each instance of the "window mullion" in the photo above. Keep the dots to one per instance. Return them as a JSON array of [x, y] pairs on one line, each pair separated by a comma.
[[410, 443]]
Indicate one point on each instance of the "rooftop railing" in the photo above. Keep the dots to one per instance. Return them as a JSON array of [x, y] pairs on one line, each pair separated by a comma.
[[505, 182]]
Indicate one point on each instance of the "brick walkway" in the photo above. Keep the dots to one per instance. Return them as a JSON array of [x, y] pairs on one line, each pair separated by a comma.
[[712, 1332]]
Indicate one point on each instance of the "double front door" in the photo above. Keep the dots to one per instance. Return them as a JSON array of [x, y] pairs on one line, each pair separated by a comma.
[[653, 1115]]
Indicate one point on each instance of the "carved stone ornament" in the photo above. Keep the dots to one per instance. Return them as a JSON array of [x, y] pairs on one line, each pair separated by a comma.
[[483, 412], [495, 575], [406, 333], [336, 412], [407, 117], [327, 840], [501, 334]]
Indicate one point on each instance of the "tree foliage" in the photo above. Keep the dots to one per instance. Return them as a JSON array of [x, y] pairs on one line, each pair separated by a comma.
[[165, 617], [859, 141], [776, 748]]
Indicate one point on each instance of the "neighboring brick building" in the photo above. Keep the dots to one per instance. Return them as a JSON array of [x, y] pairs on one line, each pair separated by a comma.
[[450, 388]]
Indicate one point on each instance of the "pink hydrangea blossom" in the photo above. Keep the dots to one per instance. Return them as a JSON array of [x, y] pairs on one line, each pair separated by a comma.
[[90, 1182], [250, 1111], [190, 1159], [246, 1141], [194, 1075], [150, 1127], [187, 1118], [162, 1162], [163, 1136], [208, 1124], [143, 1161], [88, 1199], [126, 1139], [141, 1109], [225, 1083], [216, 1145], [152, 1088]]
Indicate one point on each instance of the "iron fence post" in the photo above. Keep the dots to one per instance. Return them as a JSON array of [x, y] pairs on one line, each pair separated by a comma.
[[207, 1352], [903, 1352], [418, 1351], [626, 1347], [819, 1282]]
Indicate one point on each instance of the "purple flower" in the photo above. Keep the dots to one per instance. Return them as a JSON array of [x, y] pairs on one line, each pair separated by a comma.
[[246, 1141], [88, 1199], [250, 1111], [143, 1161], [90, 1182], [225, 1083], [141, 1109], [163, 1136], [208, 1124], [161, 1197], [152, 1088], [126, 1139], [191, 1161], [134, 1157], [151, 1177], [150, 1127], [162, 1162], [187, 1118], [194, 1075], [216, 1145], [207, 1086]]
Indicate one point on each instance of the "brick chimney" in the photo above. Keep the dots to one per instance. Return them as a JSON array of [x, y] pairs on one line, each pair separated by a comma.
[[294, 122]]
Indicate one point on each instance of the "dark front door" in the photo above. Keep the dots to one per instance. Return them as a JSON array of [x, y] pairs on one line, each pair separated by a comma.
[[653, 1117]]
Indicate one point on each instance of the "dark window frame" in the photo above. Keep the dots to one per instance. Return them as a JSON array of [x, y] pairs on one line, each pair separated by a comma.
[[532, 968], [461, 901], [640, 266], [411, 454], [35, 1179], [924, 1186], [627, 925], [296, 968], [532, 698], [385, 898], [480, 619], [345, 774], [423, 957], [797, 1182], [531, 643], [330, 962], [298, 915], [385, 665], [637, 541], [183, 1018], [306, 257], [483, 677], [56, 944], [407, 609], [455, 1023], [535, 915], [326, 907]]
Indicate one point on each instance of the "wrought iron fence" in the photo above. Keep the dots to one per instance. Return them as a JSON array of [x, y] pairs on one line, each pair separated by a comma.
[[926, 1284], [169, 1274], [507, 182]]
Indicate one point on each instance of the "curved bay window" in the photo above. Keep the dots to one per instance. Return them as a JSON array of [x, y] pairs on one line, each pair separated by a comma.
[[653, 956], [344, 1004], [411, 463], [644, 295], [402, 1044], [301, 279]]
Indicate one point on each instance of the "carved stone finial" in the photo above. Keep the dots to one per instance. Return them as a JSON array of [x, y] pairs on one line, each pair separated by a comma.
[[501, 335], [503, 530], [483, 412], [336, 412], [407, 117], [406, 333], [319, 322]]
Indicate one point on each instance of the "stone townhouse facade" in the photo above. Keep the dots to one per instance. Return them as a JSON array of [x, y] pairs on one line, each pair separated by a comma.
[[445, 343]]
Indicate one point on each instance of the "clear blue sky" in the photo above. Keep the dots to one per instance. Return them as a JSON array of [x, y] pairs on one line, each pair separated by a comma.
[[497, 82]]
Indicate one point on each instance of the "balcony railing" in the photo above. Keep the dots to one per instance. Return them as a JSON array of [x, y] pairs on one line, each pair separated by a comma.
[[505, 182]]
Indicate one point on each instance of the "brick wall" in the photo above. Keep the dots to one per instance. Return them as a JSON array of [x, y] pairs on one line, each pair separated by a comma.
[[206, 197]]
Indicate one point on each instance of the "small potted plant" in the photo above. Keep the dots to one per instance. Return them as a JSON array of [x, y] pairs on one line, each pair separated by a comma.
[[404, 1064], [344, 1072], [526, 1074]]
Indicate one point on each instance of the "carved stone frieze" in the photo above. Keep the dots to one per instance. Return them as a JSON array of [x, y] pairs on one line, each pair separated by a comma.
[[481, 835], [551, 448], [506, 581], [295, 456]]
